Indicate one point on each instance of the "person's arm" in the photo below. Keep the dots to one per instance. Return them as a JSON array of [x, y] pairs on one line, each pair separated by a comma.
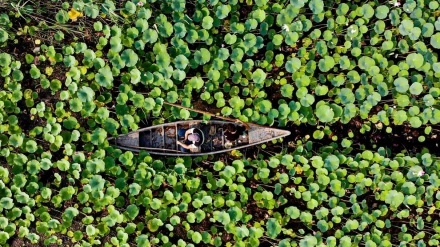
[[184, 145], [190, 131], [187, 146]]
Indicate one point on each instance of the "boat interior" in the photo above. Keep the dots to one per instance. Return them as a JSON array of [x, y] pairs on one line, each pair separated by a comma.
[[165, 137]]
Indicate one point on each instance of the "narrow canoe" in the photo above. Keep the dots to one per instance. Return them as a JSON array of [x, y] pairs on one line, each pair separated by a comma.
[[161, 139]]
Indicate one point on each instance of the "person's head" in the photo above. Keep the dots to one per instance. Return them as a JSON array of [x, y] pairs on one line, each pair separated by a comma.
[[231, 128], [194, 137]]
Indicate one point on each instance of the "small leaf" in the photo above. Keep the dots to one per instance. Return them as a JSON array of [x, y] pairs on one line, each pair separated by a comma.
[[273, 227]]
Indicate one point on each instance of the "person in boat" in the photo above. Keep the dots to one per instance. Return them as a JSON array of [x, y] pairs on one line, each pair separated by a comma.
[[233, 132], [192, 140]]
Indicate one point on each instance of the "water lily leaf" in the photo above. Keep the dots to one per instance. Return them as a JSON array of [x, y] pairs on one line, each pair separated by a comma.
[[352, 31], [429, 100], [31, 146], [4, 35], [130, 57], [16, 140], [321, 90], [259, 15], [415, 33], [202, 56], [401, 84], [207, 22], [181, 62], [317, 6], [435, 41], [406, 26], [86, 94], [154, 224], [293, 65], [178, 5], [326, 64], [344, 62], [382, 12], [258, 76], [184, 114], [273, 227], [98, 136], [291, 38], [222, 11], [287, 90], [367, 11], [325, 113], [132, 211], [309, 241], [416, 88], [399, 117], [394, 198], [104, 77], [5, 59], [250, 40], [264, 106], [347, 96], [261, 3]]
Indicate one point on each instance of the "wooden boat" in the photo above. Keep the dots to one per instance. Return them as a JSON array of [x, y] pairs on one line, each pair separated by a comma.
[[161, 139]]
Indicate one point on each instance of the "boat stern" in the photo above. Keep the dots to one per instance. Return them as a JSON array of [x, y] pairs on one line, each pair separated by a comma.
[[258, 134], [129, 140]]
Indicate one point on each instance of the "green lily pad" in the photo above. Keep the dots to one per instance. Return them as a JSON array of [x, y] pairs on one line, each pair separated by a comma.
[[435, 41], [382, 12], [326, 64], [325, 113], [401, 84]]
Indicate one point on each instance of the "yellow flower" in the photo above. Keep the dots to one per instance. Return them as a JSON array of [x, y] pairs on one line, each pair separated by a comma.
[[74, 14], [49, 70], [298, 169]]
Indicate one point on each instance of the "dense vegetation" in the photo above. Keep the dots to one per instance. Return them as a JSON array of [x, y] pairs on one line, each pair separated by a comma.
[[357, 83]]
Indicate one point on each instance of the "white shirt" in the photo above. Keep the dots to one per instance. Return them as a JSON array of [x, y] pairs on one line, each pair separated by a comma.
[[191, 146]]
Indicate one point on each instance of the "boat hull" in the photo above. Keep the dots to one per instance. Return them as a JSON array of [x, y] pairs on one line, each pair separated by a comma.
[[161, 139]]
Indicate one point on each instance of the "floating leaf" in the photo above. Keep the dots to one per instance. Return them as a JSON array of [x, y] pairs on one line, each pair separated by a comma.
[[326, 64], [416, 88], [401, 84], [325, 113], [293, 65], [265, 106], [202, 56], [415, 60], [207, 22], [130, 57], [258, 76], [382, 12], [3, 35], [394, 198], [317, 6], [406, 26], [435, 40], [222, 11], [104, 77], [273, 227]]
